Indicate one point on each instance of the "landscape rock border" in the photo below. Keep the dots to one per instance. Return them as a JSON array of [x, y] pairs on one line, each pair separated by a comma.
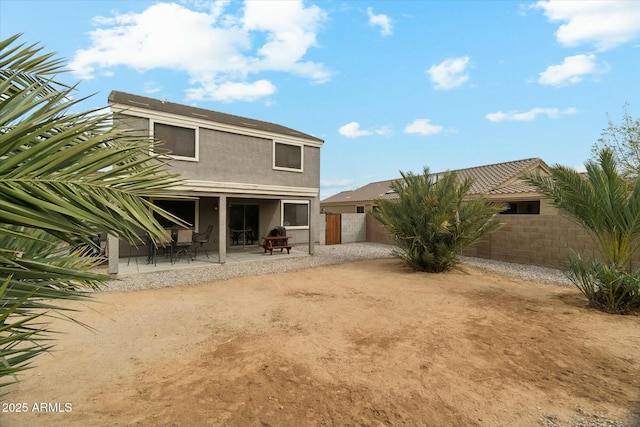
[[324, 255]]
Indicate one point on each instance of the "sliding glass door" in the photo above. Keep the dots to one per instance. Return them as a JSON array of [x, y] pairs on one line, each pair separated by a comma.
[[243, 224]]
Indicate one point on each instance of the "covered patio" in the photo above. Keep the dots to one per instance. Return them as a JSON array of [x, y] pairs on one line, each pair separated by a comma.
[[235, 225], [138, 264]]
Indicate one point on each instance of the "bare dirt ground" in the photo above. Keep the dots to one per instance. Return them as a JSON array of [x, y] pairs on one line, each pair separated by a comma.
[[363, 343]]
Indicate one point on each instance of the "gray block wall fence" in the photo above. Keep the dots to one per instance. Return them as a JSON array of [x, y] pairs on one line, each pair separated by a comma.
[[354, 227], [542, 240]]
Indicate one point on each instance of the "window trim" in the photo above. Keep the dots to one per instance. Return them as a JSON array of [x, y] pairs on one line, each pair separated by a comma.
[[295, 202], [176, 123], [285, 168]]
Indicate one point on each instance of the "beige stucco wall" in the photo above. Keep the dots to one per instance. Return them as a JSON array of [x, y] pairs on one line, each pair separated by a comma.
[[339, 209], [228, 157], [235, 158], [346, 208]]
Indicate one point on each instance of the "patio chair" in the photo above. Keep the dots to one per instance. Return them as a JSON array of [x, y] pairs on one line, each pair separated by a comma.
[[143, 241], [184, 240], [166, 243], [202, 239], [249, 236]]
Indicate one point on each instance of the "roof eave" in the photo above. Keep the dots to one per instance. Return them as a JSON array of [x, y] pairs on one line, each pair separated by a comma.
[[123, 101]]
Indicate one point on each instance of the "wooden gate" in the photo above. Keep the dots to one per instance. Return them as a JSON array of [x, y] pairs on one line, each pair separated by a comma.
[[334, 229]]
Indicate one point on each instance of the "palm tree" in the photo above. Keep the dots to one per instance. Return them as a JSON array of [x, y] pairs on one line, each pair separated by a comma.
[[432, 221], [607, 205], [64, 176]]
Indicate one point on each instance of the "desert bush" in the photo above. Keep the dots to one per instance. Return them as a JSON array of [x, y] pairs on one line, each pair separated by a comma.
[[607, 204], [433, 220], [604, 286]]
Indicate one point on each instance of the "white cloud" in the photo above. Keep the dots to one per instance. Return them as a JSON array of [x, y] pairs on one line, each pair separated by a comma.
[[423, 127], [527, 116], [217, 51], [353, 130], [291, 30], [383, 131], [606, 24], [450, 73], [231, 91], [330, 187], [332, 183], [571, 71], [151, 87], [380, 20]]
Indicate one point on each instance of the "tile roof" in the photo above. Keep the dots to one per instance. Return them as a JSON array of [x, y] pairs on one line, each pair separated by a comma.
[[499, 178], [491, 178], [515, 188], [202, 114], [374, 190]]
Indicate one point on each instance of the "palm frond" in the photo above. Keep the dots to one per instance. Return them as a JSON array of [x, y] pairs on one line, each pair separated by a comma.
[[432, 221], [71, 169], [604, 202], [64, 176]]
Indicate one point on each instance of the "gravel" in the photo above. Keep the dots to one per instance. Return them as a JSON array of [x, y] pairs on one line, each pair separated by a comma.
[[520, 271], [587, 421], [324, 255]]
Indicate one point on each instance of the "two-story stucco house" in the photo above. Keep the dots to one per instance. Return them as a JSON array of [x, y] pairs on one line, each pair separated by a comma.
[[241, 176]]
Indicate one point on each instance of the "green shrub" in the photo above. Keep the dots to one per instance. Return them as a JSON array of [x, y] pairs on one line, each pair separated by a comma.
[[432, 221], [604, 286], [607, 205]]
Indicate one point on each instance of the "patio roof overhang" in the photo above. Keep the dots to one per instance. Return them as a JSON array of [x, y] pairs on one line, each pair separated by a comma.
[[195, 187]]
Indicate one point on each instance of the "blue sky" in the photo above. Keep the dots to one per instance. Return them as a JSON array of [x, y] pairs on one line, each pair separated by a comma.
[[389, 85]]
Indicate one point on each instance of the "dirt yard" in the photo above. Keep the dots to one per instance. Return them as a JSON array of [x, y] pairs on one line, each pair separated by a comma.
[[364, 343]]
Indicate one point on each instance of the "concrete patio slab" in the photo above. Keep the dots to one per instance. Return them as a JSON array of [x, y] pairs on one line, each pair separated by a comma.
[[139, 265]]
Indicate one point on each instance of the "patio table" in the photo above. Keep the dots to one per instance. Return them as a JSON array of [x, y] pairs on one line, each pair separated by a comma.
[[276, 242]]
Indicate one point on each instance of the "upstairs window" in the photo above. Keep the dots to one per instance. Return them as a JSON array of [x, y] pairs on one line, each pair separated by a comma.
[[287, 156], [181, 142]]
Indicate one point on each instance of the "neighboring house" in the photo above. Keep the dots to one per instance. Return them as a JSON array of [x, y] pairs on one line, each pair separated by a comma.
[[532, 232], [498, 182], [241, 176]]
